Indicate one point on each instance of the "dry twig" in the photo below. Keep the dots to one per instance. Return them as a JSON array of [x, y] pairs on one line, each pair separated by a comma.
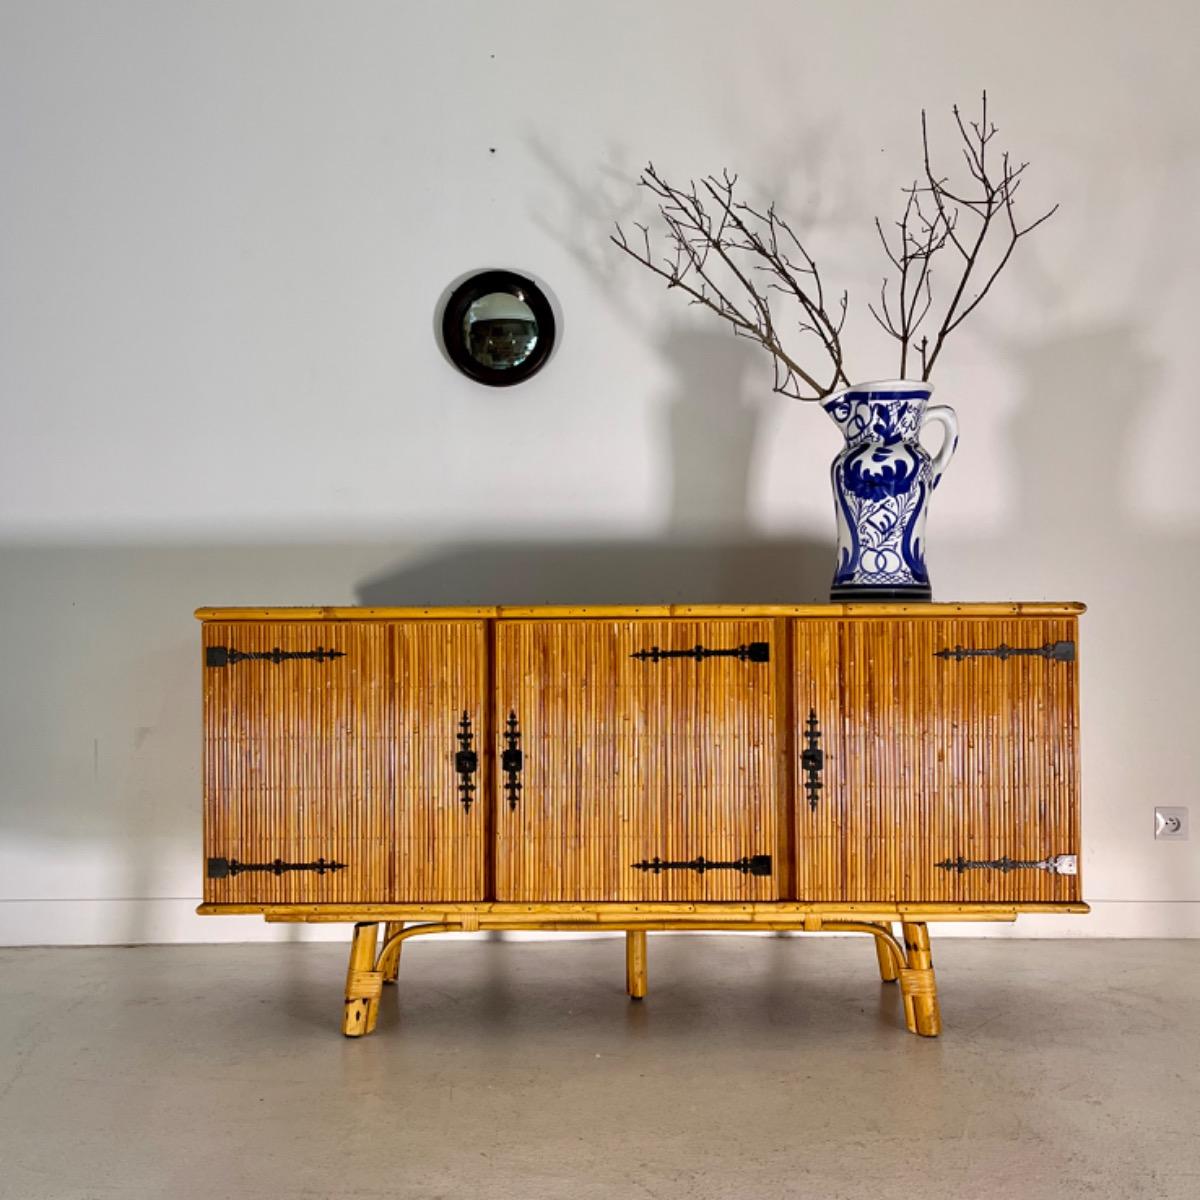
[[718, 246], [715, 244], [970, 220]]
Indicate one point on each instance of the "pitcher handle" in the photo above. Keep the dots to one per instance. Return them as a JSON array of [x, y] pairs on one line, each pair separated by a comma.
[[945, 416]]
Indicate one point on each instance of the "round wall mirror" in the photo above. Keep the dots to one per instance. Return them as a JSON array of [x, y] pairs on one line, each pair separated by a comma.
[[498, 328]]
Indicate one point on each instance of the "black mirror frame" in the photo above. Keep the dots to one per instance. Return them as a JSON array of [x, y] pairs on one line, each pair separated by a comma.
[[478, 286]]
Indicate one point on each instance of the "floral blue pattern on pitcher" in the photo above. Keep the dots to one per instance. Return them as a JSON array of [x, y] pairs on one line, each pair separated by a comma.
[[882, 481]]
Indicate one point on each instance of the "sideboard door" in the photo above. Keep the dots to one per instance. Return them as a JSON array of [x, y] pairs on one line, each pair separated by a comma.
[[330, 770], [818, 759], [643, 774], [439, 682], [957, 778]]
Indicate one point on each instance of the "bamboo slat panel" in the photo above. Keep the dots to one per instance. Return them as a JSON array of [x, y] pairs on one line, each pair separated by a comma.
[[820, 832], [926, 759], [943, 758], [627, 760], [298, 762], [440, 847], [349, 759]]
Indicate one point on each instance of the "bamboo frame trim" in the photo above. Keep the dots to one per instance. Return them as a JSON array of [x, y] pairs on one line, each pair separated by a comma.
[[882, 934], [655, 916], [878, 932], [626, 611]]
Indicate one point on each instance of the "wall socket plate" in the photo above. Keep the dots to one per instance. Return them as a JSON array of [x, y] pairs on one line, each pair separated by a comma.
[[1170, 824]]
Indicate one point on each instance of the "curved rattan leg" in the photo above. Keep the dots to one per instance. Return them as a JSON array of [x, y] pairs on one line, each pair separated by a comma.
[[912, 962], [918, 985], [889, 968], [389, 957], [363, 982]]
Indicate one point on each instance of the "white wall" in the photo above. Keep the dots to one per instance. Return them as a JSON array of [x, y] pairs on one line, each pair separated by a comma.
[[223, 233]]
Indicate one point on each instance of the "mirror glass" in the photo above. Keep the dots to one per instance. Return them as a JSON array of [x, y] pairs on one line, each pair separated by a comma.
[[500, 330]]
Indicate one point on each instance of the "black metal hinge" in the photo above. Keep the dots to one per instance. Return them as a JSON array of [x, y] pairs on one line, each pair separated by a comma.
[[1055, 864], [221, 868], [466, 762], [1054, 651], [226, 656], [758, 652], [512, 761], [812, 760], [756, 864]]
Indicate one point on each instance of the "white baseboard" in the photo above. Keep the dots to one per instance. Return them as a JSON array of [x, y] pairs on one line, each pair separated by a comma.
[[173, 921]]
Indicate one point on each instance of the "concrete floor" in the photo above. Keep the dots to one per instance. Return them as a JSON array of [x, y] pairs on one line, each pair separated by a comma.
[[757, 1068]]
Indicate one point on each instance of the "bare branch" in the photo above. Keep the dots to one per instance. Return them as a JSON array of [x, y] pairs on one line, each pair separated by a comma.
[[989, 196], [719, 248], [920, 237], [747, 264]]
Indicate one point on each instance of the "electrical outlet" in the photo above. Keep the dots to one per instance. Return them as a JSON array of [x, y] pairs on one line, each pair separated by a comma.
[[1170, 824]]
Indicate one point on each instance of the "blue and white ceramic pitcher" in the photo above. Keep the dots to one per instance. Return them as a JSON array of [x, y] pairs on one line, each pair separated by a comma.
[[881, 486]]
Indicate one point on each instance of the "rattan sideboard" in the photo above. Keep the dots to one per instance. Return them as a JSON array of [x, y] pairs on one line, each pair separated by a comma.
[[806, 767]]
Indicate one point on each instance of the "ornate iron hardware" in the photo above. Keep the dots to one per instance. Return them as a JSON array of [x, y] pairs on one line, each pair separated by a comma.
[[1054, 651], [759, 652], [512, 761], [466, 762], [1056, 864], [226, 656], [221, 868], [754, 864], [812, 760]]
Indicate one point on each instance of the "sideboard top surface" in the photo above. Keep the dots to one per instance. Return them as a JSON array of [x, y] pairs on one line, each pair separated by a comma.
[[626, 611]]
